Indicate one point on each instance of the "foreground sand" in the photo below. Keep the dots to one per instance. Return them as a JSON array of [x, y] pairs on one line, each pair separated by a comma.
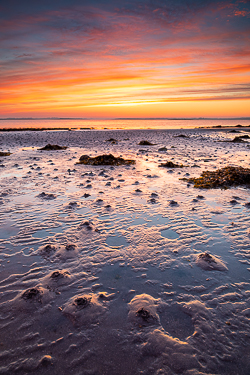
[[101, 270]]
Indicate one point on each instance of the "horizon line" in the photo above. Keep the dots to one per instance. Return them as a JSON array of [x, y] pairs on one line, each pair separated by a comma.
[[123, 118]]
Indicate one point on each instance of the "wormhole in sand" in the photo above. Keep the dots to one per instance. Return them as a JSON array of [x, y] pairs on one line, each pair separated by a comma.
[[176, 322]]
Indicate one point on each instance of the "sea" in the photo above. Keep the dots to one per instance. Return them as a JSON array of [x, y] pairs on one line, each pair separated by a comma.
[[132, 123]]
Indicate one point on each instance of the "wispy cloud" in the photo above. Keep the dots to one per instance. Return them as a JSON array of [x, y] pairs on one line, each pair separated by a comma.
[[122, 53]]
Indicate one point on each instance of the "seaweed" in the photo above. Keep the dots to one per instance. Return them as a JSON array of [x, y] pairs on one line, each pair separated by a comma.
[[221, 178], [146, 143], [5, 153], [50, 147], [104, 160], [170, 164]]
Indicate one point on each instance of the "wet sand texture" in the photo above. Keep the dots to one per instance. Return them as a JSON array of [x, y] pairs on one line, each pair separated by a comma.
[[116, 266]]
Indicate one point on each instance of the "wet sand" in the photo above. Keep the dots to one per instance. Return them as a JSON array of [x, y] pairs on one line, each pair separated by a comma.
[[123, 269]]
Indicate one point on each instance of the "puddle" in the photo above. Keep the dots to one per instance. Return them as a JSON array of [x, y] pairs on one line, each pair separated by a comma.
[[139, 201], [156, 220], [7, 230], [170, 234], [116, 241], [42, 234], [220, 219], [176, 323]]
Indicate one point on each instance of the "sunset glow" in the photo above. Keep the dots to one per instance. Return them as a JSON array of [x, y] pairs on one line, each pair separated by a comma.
[[125, 59]]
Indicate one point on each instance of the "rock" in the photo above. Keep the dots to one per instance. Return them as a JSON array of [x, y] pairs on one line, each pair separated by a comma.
[[181, 136], [145, 143], [46, 196], [50, 147], [173, 203], [112, 140], [170, 164], [104, 160], [222, 178], [238, 140]]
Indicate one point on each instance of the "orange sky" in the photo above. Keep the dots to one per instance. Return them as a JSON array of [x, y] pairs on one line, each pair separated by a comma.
[[126, 60]]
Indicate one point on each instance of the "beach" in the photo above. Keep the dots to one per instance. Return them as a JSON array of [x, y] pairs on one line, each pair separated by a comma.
[[123, 269]]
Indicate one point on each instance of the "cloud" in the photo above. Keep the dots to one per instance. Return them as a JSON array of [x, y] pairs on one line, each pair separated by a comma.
[[66, 51]]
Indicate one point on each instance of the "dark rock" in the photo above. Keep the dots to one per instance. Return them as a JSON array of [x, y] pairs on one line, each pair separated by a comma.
[[104, 160], [222, 178], [50, 147], [181, 136], [173, 203], [145, 143], [233, 201], [46, 196], [170, 164]]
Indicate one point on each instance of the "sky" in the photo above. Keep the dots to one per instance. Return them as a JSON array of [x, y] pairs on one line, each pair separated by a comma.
[[116, 58]]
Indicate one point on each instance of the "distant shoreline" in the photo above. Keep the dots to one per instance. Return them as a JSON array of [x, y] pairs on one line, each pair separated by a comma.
[[213, 127]]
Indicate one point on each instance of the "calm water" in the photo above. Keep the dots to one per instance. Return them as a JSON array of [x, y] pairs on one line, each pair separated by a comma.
[[121, 124]]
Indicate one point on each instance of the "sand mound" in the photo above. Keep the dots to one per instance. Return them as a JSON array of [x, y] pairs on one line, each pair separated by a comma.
[[85, 309], [142, 310], [210, 263]]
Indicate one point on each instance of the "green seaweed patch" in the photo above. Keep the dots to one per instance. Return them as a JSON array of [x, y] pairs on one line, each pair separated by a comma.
[[170, 164], [50, 147], [146, 143], [104, 160], [221, 178], [5, 153]]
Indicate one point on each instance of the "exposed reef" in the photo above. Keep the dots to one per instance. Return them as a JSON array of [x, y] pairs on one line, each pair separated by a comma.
[[104, 160], [221, 178]]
